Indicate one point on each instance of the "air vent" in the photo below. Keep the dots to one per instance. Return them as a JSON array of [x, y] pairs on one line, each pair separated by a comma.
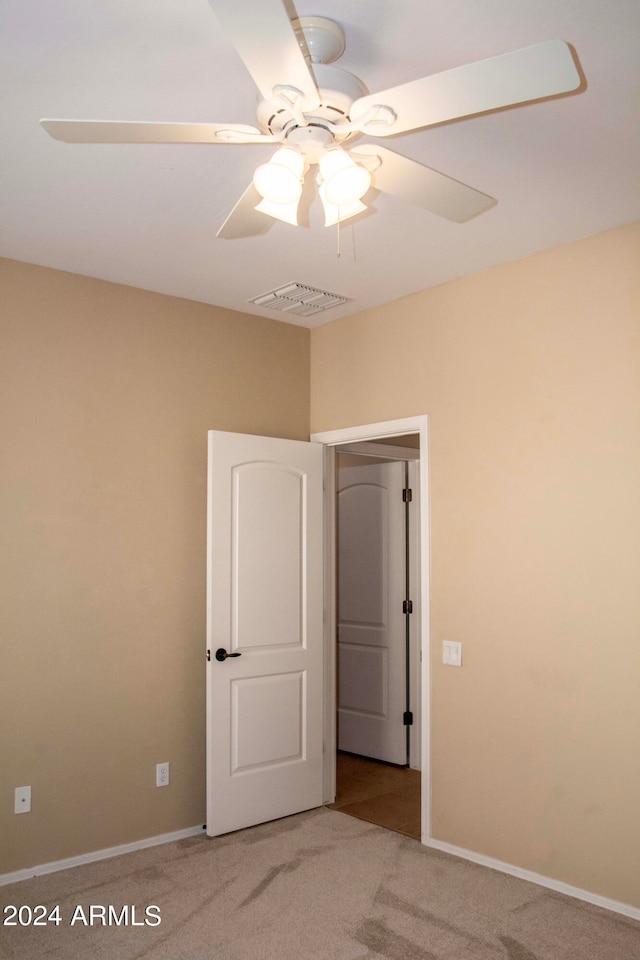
[[299, 300]]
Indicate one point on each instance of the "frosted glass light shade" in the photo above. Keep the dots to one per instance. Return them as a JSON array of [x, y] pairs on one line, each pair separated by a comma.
[[288, 212], [344, 180], [337, 214], [280, 180]]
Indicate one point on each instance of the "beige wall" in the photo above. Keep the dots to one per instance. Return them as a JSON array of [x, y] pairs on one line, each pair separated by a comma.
[[106, 394], [530, 374]]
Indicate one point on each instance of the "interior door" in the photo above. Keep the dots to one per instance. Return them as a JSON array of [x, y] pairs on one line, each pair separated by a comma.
[[264, 622], [372, 687]]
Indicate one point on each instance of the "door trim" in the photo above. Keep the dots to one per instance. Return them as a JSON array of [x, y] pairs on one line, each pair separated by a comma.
[[331, 439]]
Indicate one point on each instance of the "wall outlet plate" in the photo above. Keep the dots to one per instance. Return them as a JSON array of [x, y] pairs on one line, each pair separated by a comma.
[[162, 774]]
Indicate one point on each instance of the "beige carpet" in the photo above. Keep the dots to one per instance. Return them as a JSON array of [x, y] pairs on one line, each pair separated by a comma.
[[317, 886]]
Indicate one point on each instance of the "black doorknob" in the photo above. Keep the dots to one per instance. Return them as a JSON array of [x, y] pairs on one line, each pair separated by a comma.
[[221, 654]]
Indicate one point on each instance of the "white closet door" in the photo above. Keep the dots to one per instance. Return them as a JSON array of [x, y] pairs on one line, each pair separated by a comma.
[[371, 621]]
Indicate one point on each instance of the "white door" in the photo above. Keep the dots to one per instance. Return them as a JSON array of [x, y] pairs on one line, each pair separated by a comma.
[[264, 608], [371, 623]]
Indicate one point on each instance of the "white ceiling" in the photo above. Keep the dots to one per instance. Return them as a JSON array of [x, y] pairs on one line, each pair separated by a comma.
[[147, 215]]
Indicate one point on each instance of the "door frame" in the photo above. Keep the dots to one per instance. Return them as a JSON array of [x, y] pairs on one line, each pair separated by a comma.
[[330, 440]]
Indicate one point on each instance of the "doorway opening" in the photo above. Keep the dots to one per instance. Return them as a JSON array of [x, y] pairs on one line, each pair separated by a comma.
[[376, 760], [378, 690], [379, 793]]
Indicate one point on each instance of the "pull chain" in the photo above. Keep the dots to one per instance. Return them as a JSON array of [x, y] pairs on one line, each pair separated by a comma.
[[338, 234]]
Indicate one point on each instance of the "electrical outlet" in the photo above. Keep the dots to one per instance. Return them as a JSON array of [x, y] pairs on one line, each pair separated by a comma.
[[162, 774], [22, 801]]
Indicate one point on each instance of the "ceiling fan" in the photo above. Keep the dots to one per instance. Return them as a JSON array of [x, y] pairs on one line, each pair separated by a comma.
[[309, 109]]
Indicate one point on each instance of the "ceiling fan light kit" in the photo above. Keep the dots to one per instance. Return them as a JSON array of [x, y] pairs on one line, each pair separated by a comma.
[[334, 214], [280, 180], [287, 212], [310, 109], [344, 180]]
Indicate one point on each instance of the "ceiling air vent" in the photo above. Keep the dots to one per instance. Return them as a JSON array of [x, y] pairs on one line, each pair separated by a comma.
[[299, 300]]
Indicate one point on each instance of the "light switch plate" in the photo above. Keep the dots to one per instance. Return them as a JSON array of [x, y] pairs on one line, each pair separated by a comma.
[[452, 653]]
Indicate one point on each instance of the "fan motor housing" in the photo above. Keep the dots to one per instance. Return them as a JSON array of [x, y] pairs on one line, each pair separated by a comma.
[[338, 90]]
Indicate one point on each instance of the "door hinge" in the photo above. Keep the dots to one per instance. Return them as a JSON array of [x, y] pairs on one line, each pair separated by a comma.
[[407, 606], [407, 495], [407, 718], [209, 655]]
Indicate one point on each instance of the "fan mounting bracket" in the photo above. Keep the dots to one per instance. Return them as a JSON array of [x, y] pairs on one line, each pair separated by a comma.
[[320, 39]]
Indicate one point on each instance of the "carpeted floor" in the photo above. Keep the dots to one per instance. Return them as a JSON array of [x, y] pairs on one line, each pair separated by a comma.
[[379, 793], [317, 886]]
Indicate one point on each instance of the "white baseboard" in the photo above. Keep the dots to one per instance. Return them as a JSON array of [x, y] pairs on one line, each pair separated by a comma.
[[83, 858], [557, 885]]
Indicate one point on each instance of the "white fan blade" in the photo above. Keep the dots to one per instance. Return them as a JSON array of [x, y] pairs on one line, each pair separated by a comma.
[[244, 220], [261, 32], [135, 131], [544, 70], [417, 184]]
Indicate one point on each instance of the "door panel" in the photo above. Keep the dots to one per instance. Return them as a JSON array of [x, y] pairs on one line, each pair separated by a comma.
[[364, 681], [273, 705], [264, 602], [371, 622], [267, 584]]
